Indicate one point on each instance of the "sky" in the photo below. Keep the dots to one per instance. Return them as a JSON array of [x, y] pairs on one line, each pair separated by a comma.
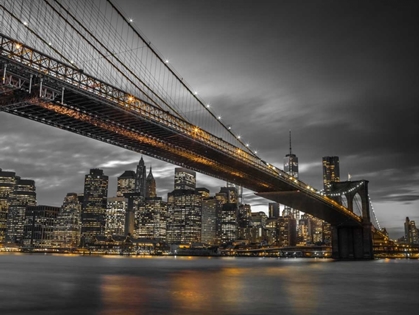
[[341, 75]]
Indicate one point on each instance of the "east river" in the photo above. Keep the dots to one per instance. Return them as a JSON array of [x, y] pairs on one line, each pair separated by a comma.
[[60, 284]]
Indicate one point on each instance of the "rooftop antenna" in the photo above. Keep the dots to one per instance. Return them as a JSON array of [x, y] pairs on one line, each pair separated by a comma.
[[290, 141]]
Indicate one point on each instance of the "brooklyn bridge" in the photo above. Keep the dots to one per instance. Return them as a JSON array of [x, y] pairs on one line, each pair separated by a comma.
[[59, 67]]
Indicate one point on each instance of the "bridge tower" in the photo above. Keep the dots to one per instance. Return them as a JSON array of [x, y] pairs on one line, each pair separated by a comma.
[[348, 241]]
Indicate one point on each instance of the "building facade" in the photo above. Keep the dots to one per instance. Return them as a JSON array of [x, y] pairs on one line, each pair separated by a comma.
[[94, 203], [69, 223], [39, 227]]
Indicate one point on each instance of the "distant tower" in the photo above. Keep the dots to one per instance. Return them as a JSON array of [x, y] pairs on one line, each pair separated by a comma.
[[291, 167], [150, 185], [291, 164], [140, 185], [331, 171]]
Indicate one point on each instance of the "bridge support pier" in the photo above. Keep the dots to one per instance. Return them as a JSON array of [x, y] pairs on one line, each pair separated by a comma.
[[352, 243]]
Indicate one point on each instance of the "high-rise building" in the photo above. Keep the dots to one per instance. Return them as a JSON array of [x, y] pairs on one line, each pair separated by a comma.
[[273, 210], [150, 219], [7, 185], [150, 185], [184, 179], [23, 195], [94, 203], [210, 209], [184, 216], [204, 192], [115, 216], [331, 171], [291, 167], [287, 231], [39, 226], [411, 231], [140, 184], [69, 222], [126, 183], [231, 193]]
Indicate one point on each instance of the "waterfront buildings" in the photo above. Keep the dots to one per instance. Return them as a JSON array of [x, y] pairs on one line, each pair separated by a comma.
[[7, 186], [115, 216]]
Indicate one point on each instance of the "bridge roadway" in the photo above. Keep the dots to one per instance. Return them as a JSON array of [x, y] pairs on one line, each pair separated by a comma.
[[38, 87]]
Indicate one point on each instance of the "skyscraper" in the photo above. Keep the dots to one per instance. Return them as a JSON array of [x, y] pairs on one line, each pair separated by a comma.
[[291, 167], [7, 185], [68, 225], [273, 210], [184, 179], [23, 195], [411, 231], [331, 171], [150, 185], [140, 185], [94, 203], [126, 183], [115, 216]]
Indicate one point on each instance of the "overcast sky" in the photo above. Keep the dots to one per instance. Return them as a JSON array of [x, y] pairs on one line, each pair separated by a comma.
[[342, 75]]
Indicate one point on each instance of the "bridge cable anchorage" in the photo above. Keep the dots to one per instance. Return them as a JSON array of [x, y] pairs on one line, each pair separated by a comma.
[[180, 80], [111, 54]]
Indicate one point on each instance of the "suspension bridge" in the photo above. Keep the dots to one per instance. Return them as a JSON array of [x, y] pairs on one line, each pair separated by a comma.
[[83, 67]]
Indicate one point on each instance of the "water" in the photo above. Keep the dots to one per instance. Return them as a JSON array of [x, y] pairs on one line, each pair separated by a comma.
[[50, 284]]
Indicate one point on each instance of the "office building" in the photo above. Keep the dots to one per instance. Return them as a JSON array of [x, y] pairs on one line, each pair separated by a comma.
[[69, 222], [210, 212], [150, 218], [126, 183], [115, 216], [184, 179], [140, 183], [23, 195], [94, 203], [331, 171], [273, 210], [39, 226], [411, 232], [7, 185], [291, 167], [184, 216]]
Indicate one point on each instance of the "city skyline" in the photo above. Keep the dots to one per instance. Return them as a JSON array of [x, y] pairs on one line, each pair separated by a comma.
[[340, 76]]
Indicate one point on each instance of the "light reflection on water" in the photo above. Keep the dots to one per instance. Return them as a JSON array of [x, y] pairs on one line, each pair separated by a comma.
[[46, 284]]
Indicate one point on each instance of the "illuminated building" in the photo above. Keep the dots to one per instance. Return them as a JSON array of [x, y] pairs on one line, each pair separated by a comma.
[[23, 195], [150, 185], [287, 231], [259, 227], [184, 179], [331, 171], [273, 210], [115, 216], [150, 218], [304, 236], [411, 231], [291, 167], [7, 185], [39, 226], [140, 183], [94, 203], [244, 222], [231, 193], [126, 183], [204, 192], [210, 210], [184, 216], [68, 225]]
